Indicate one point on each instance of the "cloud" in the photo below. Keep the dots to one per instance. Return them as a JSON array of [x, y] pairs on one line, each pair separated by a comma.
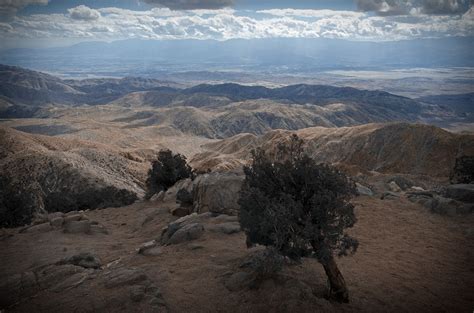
[[8, 8], [223, 24], [405, 7], [83, 12], [191, 4]]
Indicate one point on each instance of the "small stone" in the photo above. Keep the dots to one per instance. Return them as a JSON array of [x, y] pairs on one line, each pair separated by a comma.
[[362, 190], [394, 187]]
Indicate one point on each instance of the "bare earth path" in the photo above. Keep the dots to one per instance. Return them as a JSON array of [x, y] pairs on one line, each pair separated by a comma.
[[409, 260]]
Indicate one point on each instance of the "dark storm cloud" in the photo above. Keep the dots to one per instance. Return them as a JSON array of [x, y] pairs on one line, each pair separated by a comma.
[[400, 7], [8, 8], [191, 4]]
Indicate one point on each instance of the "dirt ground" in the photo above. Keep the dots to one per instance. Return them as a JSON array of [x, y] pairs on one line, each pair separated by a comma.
[[409, 260]]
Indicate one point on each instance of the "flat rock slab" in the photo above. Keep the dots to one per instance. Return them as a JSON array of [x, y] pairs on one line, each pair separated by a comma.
[[86, 260], [124, 277]]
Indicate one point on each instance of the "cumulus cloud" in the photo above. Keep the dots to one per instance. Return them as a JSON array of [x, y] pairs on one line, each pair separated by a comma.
[[8, 8], [223, 24], [83, 12], [404, 7], [191, 4]]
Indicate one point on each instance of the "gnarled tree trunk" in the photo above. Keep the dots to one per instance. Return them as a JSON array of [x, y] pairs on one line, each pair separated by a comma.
[[337, 285]]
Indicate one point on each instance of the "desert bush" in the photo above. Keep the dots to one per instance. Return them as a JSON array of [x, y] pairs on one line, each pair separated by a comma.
[[463, 172], [300, 208], [166, 171], [264, 263]]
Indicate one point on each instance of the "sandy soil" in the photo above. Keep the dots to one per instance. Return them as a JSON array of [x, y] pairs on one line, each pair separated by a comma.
[[409, 260]]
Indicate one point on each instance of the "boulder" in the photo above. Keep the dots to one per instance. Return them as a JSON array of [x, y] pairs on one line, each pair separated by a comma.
[[180, 223], [78, 227], [52, 216], [461, 192], [170, 194], [217, 192], [86, 260], [57, 222], [181, 211], [362, 190], [186, 233]]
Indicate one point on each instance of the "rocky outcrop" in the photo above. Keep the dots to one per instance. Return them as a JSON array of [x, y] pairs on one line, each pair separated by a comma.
[[217, 193], [73, 222]]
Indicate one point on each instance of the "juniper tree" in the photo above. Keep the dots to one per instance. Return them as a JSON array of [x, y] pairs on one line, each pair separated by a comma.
[[299, 207], [167, 170]]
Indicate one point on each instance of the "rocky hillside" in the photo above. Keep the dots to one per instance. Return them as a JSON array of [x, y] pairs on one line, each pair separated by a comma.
[[42, 173], [390, 148], [232, 108]]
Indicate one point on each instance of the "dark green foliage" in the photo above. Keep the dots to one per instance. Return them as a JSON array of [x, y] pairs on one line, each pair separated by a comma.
[[463, 172], [16, 205], [296, 205], [184, 197], [166, 171]]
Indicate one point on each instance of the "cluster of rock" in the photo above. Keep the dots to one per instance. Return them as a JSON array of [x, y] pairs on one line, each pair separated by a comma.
[[191, 227], [76, 274], [454, 199], [212, 192], [74, 222]]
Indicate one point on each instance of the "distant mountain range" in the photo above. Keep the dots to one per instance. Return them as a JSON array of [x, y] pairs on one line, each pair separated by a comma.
[[216, 111]]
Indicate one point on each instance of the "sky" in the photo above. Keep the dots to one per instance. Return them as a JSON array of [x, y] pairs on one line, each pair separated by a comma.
[[43, 23]]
